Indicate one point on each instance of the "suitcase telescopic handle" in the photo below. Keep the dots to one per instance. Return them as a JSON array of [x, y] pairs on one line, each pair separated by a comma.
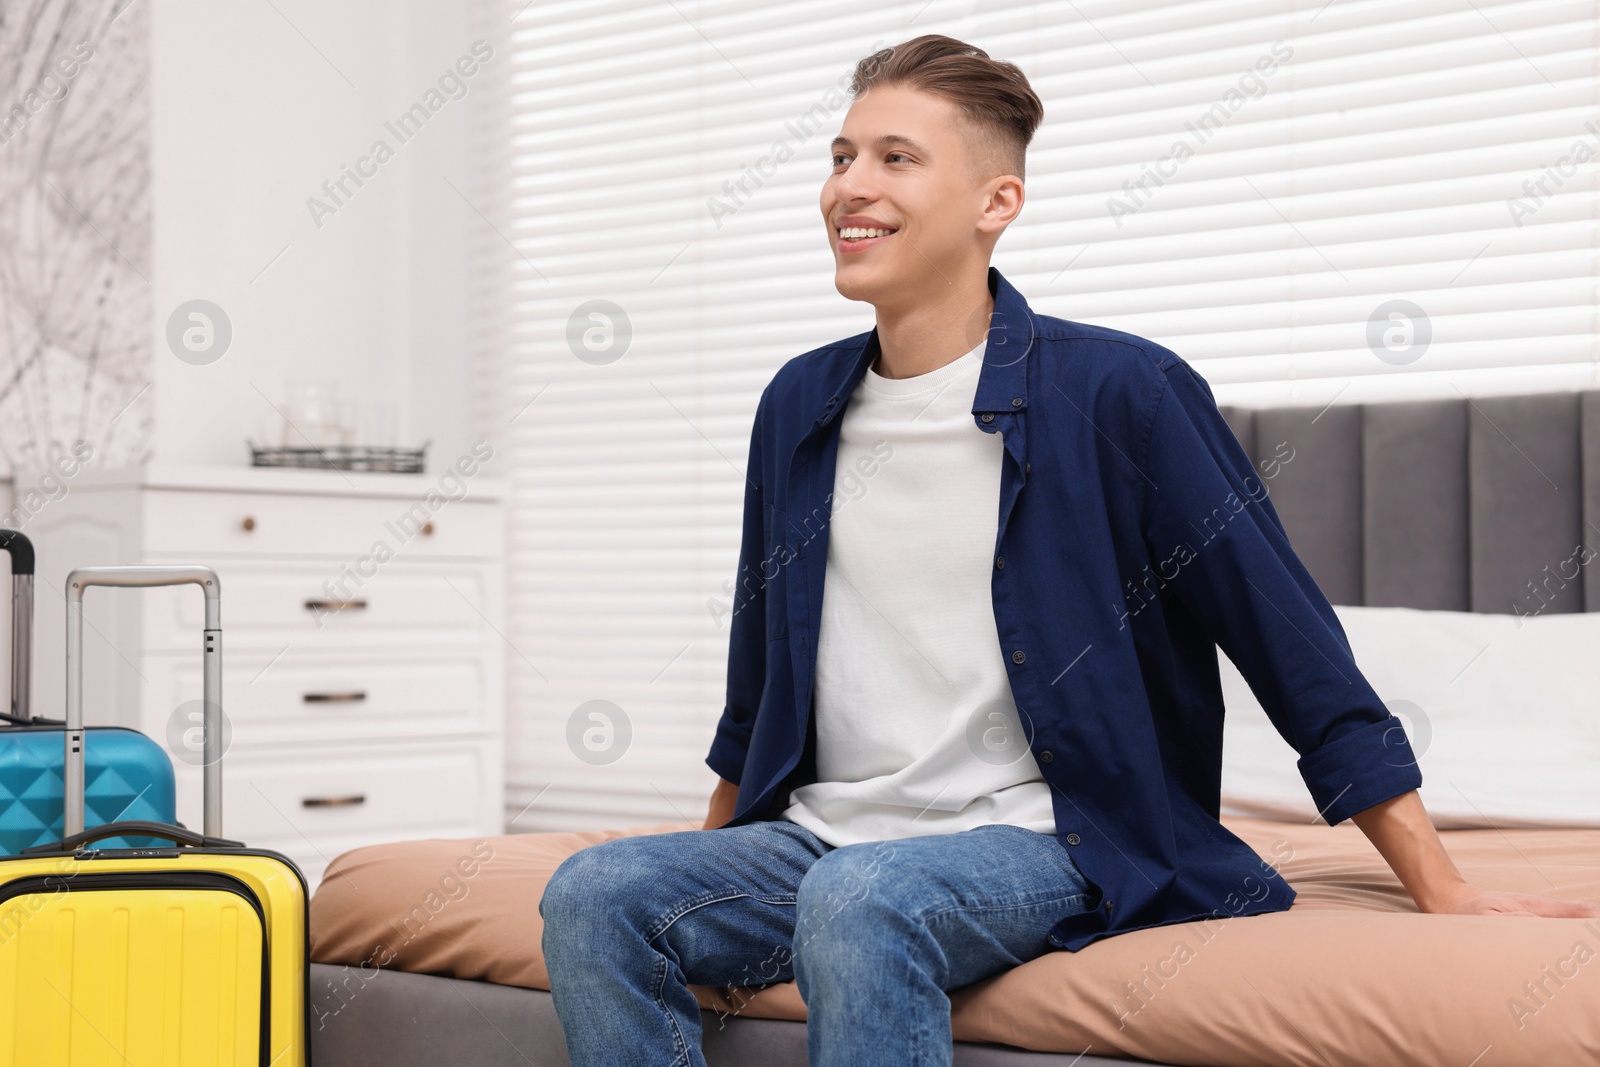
[[20, 549], [139, 576]]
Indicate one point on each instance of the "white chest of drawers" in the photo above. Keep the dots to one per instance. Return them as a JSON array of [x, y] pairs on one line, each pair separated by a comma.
[[362, 657]]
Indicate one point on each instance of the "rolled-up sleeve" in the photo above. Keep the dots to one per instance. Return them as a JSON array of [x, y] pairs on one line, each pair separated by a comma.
[[747, 650], [1216, 539]]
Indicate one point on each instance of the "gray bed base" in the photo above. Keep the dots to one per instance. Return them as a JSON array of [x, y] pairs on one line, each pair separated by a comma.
[[1465, 504], [395, 1019]]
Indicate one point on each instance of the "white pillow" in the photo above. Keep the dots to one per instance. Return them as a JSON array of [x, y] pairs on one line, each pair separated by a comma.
[[1502, 711]]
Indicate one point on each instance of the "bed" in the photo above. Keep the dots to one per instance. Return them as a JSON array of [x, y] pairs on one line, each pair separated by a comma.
[[1452, 536]]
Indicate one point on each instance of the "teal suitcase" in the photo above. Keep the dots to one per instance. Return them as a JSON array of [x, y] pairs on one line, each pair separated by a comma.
[[128, 777]]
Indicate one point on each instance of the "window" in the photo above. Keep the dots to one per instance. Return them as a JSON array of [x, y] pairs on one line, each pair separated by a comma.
[[1310, 201]]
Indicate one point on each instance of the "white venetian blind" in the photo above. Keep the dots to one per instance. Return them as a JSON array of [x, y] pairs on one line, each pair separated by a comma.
[[1310, 201]]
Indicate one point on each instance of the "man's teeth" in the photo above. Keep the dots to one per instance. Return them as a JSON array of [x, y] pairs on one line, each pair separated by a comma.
[[856, 233]]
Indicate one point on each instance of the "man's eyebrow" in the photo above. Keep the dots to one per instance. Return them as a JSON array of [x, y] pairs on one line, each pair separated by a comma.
[[886, 140]]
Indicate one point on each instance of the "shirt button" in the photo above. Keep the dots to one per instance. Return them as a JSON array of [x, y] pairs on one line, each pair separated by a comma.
[[1073, 839], [1108, 905], [1027, 468], [988, 416], [1016, 401], [1018, 656], [1000, 563], [1046, 756]]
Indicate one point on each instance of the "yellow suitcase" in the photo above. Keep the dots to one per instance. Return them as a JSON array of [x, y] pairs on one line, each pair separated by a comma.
[[189, 956]]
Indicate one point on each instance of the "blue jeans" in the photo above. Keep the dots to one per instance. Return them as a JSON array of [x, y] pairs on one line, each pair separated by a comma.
[[875, 935]]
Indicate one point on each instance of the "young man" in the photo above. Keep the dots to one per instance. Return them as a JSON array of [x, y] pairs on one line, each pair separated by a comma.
[[973, 704]]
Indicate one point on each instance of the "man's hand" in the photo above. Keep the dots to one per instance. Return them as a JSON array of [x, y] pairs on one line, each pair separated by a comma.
[[1401, 830], [1468, 899], [723, 800]]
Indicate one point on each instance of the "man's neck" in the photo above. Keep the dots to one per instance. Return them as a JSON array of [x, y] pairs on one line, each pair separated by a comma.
[[925, 337]]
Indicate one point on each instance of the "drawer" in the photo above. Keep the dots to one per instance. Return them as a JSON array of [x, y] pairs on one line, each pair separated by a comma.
[[301, 698], [335, 797], [204, 524], [267, 606]]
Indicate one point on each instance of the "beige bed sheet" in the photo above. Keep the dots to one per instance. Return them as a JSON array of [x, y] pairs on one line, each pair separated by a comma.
[[1351, 974]]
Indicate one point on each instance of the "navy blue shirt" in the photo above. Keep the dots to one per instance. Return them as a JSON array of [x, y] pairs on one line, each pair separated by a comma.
[[1135, 538]]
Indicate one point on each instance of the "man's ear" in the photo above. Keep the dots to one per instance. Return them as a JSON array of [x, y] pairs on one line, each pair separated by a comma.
[[1003, 200]]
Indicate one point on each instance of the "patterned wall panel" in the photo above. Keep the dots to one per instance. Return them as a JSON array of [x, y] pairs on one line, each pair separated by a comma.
[[74, 234]]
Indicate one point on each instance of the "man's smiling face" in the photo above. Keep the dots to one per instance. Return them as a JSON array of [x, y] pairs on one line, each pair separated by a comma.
[[905, 203]]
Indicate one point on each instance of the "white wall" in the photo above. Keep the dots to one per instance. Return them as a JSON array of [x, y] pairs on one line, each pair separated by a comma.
[[252, 110]]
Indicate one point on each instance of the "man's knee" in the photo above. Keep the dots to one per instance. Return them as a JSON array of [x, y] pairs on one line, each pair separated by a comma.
[[611, 874], [854, 881], [584, 879]]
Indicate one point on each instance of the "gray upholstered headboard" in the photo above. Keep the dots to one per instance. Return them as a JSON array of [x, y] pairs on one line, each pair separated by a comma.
[[1483, 504]]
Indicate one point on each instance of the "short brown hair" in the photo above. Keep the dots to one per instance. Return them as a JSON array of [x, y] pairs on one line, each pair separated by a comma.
[[994, 95]]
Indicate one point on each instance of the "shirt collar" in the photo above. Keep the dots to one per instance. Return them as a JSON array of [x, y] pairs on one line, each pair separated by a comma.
[[1002, 380]]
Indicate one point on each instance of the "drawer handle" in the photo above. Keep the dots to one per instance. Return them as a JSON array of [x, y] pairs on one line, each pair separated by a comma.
[[335, 605], [353, 696], [248, 524], [350, 801]]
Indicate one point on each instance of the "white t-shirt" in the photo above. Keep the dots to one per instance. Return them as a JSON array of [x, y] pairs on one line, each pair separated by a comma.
[[917, 732]]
